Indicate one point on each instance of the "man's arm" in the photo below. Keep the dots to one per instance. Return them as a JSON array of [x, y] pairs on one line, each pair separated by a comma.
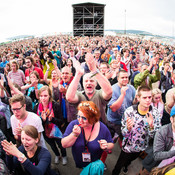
[[159, 148], [156, 77], [117, 104], [2, 95], [63, 53], [170, 99], [72, 89], [12, 87], [101, 79]]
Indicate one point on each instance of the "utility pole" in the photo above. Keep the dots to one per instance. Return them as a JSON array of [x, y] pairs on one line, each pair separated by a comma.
[[125, 23], [173, 29]]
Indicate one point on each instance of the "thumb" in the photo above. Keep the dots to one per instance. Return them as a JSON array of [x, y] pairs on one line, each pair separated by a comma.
[[99, 141]]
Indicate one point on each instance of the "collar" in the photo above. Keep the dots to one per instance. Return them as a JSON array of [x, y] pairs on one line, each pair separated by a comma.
[[135, 107]]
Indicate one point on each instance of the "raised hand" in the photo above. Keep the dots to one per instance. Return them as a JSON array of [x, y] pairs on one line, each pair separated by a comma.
[[129, 123], [50, 116], [63, 89], [43, 115], [109, 74], [10, 148], [2, 82], [54, 63], [91, 62], [76, 130], [124, 89], [103, 144], [78, 67], [150, 121]]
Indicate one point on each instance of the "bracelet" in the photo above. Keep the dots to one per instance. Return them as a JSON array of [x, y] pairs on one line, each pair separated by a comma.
[[75, 134], [95, 73]]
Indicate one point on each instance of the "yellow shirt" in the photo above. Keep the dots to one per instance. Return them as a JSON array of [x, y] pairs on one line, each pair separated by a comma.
[[143, 112], [171, 172]]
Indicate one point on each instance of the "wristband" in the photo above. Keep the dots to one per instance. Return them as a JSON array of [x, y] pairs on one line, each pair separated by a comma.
[[75, 135], [95, 73], [47, 70]]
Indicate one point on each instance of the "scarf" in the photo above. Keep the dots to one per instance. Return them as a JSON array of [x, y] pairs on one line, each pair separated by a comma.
[[51, 130]]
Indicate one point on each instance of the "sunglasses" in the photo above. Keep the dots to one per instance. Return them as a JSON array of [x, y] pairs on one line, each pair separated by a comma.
[[83, 118]]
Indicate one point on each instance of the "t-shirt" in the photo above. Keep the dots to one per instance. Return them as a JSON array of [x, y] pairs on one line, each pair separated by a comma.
[[17, 77], [98, 100], [93, 146], [39, 70], [115, 117], [31, 119]]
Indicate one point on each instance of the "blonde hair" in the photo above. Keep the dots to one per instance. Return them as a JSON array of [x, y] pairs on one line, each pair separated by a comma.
[[45, 88], [155, 92]]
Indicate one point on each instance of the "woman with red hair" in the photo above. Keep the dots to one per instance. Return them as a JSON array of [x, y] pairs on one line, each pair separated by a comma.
[[87, 136]]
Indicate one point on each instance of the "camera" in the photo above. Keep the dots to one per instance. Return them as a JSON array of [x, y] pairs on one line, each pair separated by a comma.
[[50, 61]]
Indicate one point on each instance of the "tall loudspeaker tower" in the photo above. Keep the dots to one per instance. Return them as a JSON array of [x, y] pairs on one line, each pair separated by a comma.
[[88, 19]]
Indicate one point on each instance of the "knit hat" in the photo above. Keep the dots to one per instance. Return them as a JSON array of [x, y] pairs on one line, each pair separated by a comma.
[[172, 111]]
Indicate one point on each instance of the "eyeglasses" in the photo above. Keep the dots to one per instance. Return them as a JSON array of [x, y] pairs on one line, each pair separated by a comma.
[[17, 109], [83, 118], [27, 62]]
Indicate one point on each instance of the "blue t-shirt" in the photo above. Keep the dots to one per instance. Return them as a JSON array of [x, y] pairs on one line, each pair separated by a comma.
[[115, 117], [31, 90], [3, 64], [93, 146], [57, 59]]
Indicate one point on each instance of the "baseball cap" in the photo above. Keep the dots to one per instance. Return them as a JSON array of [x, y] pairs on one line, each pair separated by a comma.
[[172, 111]]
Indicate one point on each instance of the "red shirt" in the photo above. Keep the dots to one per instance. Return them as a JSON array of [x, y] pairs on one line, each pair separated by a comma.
[[39, 70]]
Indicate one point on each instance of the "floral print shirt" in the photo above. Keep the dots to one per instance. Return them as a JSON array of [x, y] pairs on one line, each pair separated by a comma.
[[137, 139]]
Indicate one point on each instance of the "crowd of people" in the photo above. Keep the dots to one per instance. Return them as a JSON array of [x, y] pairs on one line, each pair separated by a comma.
[[87, 93]]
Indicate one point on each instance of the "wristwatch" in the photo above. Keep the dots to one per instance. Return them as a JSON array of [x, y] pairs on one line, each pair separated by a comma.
[[21, 158]]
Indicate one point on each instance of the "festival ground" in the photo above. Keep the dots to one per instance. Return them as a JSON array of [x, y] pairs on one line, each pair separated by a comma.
[[70, 168]]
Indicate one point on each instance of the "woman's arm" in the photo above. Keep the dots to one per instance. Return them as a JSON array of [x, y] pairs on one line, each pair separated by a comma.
[[69, 140], [12, 87], [105, 145], [44, 159]]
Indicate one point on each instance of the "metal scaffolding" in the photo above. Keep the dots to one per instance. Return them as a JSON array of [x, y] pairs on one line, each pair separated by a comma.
[[88, 19]]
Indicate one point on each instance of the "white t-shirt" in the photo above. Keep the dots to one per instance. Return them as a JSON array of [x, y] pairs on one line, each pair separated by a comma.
[[31, 119]]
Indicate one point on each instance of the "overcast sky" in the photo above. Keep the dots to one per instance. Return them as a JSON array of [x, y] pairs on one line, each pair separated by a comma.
[[28, 17]]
